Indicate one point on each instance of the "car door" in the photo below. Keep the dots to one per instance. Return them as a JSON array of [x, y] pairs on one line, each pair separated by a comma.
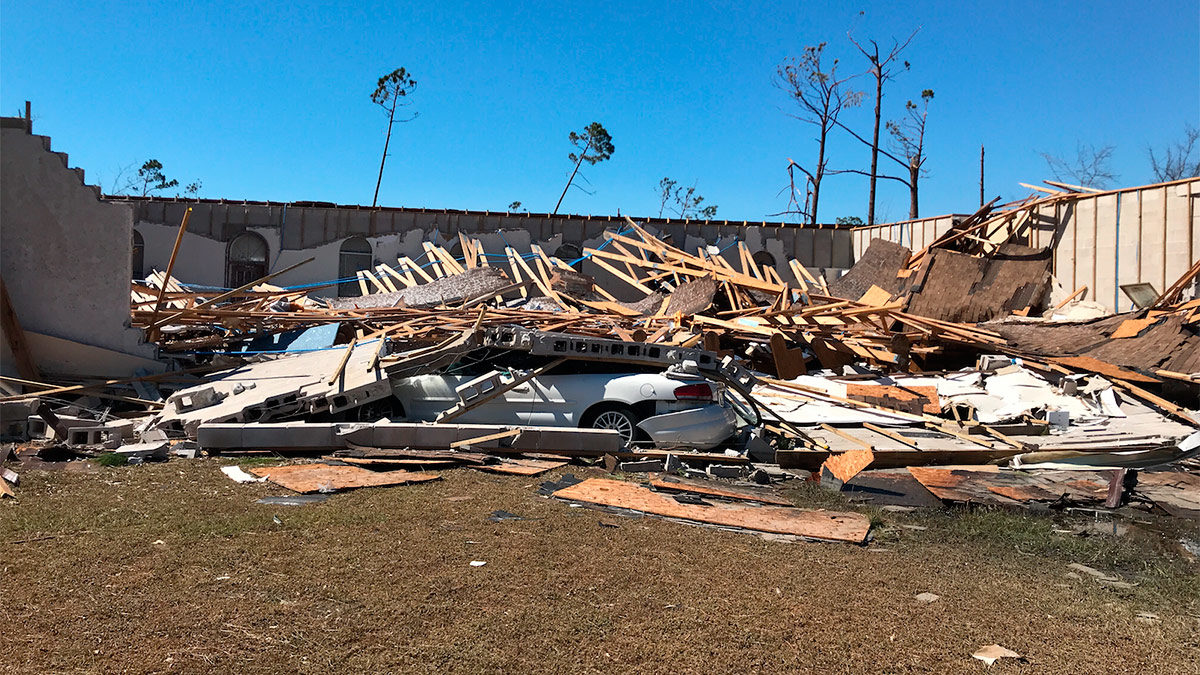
[[424, 397], [560, 400]]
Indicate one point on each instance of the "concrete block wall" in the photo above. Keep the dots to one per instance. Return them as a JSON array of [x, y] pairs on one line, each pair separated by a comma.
[[297, 231], [1101, 240]]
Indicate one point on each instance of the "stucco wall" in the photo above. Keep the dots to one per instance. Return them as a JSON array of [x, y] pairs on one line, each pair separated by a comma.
[[64, 253]]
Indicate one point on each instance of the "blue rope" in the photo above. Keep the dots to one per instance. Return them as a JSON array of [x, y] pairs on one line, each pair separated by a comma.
[[285, 351]]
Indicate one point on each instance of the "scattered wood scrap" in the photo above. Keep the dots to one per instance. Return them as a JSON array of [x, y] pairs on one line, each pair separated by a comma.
[[818, 525], [307, 478]]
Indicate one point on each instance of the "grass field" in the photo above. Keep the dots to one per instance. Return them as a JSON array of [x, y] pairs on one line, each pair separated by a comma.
[[173, 567]]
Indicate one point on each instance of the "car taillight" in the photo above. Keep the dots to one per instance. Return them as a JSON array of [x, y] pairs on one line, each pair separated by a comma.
[[694, 392]]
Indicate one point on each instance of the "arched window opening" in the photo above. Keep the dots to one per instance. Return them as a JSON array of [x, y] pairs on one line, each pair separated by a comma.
[[568, 253], [355, 256], [139, 256], [245, 260], [763, 259]]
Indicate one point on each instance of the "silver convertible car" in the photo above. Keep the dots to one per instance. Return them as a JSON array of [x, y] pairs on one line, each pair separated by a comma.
[[677, 407]]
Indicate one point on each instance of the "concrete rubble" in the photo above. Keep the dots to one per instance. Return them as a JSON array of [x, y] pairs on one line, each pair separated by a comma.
[[944, 373]]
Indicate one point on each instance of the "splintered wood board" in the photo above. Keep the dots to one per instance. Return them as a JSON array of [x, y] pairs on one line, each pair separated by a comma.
[[744, 494], [389, 463], [523, 467], [844, 466], [306, 478], [824, 525]]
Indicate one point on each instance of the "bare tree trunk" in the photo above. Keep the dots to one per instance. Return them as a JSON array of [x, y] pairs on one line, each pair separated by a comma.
[[875, 146], [817, 176], [386, 141], [914, 173], [571, 179], [981, 175]]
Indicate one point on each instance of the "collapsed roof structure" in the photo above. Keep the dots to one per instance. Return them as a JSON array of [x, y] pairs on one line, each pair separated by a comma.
[[963, 352]]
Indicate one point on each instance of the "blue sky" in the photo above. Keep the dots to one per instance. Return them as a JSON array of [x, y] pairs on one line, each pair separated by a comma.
[[271, 101]]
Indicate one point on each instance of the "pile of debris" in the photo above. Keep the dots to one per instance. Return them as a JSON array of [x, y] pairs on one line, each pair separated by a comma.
[[685, 363]]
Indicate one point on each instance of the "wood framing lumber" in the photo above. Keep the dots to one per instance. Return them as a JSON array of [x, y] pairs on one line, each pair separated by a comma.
[[341, 367], [17, 344], [469, 442], [226, 295], [170, 267]]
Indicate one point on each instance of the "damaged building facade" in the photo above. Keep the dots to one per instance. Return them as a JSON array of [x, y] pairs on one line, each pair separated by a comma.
[[371, 340], [232, 242]]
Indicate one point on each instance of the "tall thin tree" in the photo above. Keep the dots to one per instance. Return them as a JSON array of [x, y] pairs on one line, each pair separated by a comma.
[[391, 92], [908, 136], [821, 96], [882, 70], [594, 139]]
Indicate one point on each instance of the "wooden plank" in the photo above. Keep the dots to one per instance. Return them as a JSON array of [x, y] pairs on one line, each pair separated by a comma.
[[848, 436], [712, 489], [509, 433], [821, 525], [162, 291], [306, 478], [26, 366], [844, 466], [225, 296], [341, 367], [892, 435], [523, 467], [1093, 365], [388, 463]]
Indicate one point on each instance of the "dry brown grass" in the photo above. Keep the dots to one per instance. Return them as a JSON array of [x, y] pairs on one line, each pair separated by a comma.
[[378, 580]]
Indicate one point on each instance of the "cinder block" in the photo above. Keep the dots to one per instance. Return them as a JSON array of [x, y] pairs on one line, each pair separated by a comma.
[[726, 470], [643, 466]]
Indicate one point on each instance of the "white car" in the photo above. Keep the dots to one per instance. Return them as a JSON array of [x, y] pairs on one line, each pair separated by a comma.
[[675, 408]]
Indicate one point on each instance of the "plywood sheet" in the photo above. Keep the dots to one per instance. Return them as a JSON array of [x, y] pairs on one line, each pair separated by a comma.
[[824, 525], [718, 490], [1131, 327], [305, 478], [846, 465], [523, 467]]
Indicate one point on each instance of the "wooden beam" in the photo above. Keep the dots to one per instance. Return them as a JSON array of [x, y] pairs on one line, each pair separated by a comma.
[[26, 366], [162, 290], [226, 295], [483, 439]]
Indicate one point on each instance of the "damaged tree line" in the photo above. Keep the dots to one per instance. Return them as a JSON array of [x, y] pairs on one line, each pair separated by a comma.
[[944, 370]]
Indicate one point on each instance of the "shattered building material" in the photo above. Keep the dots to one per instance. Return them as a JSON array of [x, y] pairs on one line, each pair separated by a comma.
[[818, 525], [307, 478], [739, 493], [747, 358], [953, 286], [480, 282], [879, 265]]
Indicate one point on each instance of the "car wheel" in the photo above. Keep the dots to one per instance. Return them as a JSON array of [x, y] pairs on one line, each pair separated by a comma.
[[621, 420]]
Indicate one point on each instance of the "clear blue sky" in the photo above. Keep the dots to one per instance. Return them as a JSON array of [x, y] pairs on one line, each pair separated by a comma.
[[271, 100]]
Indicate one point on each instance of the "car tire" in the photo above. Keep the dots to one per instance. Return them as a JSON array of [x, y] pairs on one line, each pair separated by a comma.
[[619, 418]]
